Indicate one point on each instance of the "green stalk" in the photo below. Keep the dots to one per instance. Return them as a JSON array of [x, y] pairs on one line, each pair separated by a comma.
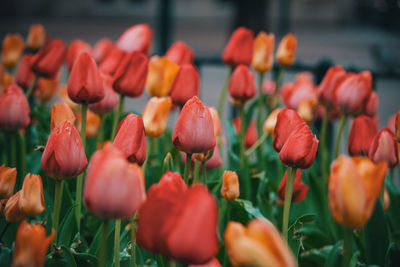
[[347, 246], [117, 114], [133, 240], [291, 173], [100, 134], [228, 218], [187, 168], [32, 86], [117, 234], [260, 117], [196, 171], [279, 78], [323, 146], [242, 134], [256, 144], [204, 171], [224, 91], [22, 158], [13, 149], [103, 245], [342, 123], [58, 192]]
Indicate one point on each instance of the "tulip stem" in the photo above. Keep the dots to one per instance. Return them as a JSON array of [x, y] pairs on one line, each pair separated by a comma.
[[103, 245], [323, 145], [13, 149], [279, 78], [342, 123], [196, 171], [117, 114], [58, 192], [100, 134], [204, 171], [260, 116], [32, 86], [242, 134], [291, 173], [347, 246], [117, 234], [133, 240], [224, 91], [256, 144], [22, 159], [187, 167]]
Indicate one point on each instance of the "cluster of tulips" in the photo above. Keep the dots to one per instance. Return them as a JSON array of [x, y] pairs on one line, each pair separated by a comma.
[[110, 182]]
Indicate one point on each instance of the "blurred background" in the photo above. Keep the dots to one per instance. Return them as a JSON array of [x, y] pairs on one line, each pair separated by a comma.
[[358, 34]]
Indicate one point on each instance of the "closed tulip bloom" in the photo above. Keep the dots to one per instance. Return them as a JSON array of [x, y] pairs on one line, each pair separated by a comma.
[[36, 37], [270, 122], [384, 148], [354, 185], [185, 85], [5, 79], [102, 49], [14, 109], [216, 120], [31, 201], [302, 89], [111, 62], [11, 51], [306, 109], [110, 99], [372, 104], [286, 53], [8, 177], [155, 115], [239, 49], [162, 73], [92, 123], [63, 156], [300, 190], [287, 121], [333, 77], [31, 245], [48, 60], [263, 52], [24, 76], [230, 185], [194, 130], [11, 211], [131, 139], [75, 49], [114, 188], [46, 88], [60, 113], [136, 38], [251, 131], [258, 244], [85, 84], [180, 53], [362, 132], [212, 263], [130, 76], [241, 85]]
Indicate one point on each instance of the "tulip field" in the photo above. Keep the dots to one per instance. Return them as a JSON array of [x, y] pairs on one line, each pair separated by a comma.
[[86, 180]]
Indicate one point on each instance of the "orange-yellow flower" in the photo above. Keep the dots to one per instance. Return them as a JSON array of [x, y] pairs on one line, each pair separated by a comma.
[[60, 113], [162, 72], [7, 181], [155, 115], [230, 185], [12, 212], [31, 201], [263, 52], [46, 88], [92, 123], [64, 98], [270, 122], [306, 109], [36, 36], [11, 52], [286, 52]]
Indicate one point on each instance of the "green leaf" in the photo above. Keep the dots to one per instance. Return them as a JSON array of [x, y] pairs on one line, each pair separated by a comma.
[[334, 256], [67, 228], [295, 237], [393, 255], [61, 258], [315, 257], [85, 259], [5, 256], [243, 211]]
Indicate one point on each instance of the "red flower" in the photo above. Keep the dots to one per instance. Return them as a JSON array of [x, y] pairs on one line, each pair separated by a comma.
[[241, 85], [110, 99], [14, 109], [75, 49], [371, 106], [251, 131], [137, 37], [384, 148], [300, 190], [24, 76], [130, 76], [194, 130], [102, 49], [111, 62], [333, 77], [214, 161], [180, 53], [85, 83], [288, 121], [212, 263], [185, 85], [239, 49], [303, 88], [48, 60], [363, 130]]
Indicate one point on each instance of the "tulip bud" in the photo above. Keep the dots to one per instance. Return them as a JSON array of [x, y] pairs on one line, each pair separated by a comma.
[[131, 139], [155, 115], [112, 61], [216, 120], [24, 76], [185, 85], [230, 185], [48, 60], [288, 121], [306, 109], [14, 109], [397, 126], [31, 245], [302, 89], [180, 54], [137, 37], [75, 49], [46, 88], [212, 263], [333, 77], [239, 49], [384, 148], [11, 52], [258, 244], [354, 185], [270, 122], [5, 79], [31, 201], [286, 52], [371, 106], [36, 37], [12, 212], [114, 189], [110, 99], [8, 177], [102, 49], [362, 132], [60, 113], [130, 76], [241, 85], [92, 123], [263, 52], [162, 72], [194, 117], [251, 131], [64, 156], [300, 190]]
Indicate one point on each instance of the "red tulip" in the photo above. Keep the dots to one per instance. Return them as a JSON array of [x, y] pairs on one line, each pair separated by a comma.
[[102, 49], [137, 38], [64, 156], [185, 85], [269, 86], [75, 49], [239, 49], [384, 148], [131, 139], [363, 130], [24, 76], [180, 53], [214, 161], [303, 88], [371, 106], [110, 99], [111, 62], [130, 76], [333, 77], [114, 188], [194, 130], [85, 83], [288, 121], [14, 109], [212, 263], [251, 131], [391, 123], [300, 190], [48, 60], [241, 85]]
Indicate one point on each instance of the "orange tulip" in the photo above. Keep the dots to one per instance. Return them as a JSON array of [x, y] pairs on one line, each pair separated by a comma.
[[12, 212], [11, 52], [161, 75], [46, 88], [230, 185], [60, 113], [155, 115], [7, 181], [64, 98], [263, 52], [259, 244], [92, 123], [36, 36], [354, 185], [270, 122], [306, 109], [31, 201], [31, 245], [286, 52]]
